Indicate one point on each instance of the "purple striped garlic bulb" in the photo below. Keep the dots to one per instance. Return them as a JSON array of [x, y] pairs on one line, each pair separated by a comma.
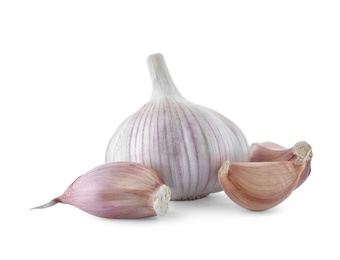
[[184, 142]]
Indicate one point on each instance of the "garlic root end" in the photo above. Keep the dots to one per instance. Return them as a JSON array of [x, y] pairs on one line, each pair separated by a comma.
[[161, 200], [303, 151], [224, 168]]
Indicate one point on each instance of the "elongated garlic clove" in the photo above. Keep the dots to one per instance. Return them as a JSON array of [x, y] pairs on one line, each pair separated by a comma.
[[260, 185], [272, 152], [117, 190], [184, 142]]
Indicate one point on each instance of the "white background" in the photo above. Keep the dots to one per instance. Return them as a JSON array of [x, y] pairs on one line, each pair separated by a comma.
[[71, 71]]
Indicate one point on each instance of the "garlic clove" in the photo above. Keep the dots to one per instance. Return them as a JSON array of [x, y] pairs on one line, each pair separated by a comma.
[[184, 142], [117, 190], [272, 152], [259, 185]]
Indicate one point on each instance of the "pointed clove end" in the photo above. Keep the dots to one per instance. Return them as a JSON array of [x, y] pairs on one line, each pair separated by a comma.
[[46, 205]]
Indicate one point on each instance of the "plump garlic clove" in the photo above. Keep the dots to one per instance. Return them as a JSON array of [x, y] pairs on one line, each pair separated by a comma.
[[117, 190], [272, 152], [184, 142], [259, 185]]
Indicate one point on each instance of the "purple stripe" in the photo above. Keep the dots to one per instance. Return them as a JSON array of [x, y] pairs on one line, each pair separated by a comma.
[[147, 116], [177, 107], [199, 171], [166, 146], [188, 158], [133, 127], [152, 125], [220, 143], [239, 140], [177, 174]]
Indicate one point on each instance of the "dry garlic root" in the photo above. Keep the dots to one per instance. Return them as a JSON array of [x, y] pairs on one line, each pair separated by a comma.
[[117, 190], [272, 175]]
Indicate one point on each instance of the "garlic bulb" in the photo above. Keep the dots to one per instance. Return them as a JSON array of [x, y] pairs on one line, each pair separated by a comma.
[[117, 190], [184, 142]]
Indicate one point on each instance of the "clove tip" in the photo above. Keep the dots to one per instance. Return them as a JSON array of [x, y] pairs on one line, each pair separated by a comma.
[[46, 205]]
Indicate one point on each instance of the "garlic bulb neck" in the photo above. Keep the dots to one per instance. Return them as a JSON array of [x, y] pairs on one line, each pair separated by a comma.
[[162, 83]]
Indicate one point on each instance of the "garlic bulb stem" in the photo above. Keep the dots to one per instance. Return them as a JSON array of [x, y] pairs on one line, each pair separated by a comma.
[[161, 80]]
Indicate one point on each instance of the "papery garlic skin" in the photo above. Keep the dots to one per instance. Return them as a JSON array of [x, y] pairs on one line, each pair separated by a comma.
[[118, 190], [184, 142]]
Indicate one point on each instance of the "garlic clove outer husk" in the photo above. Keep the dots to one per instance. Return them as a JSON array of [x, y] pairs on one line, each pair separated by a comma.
[[184, 143], [272, 152], [117, 190], [260, 185]]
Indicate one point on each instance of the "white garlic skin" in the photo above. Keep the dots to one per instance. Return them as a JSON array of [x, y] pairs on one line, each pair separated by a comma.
[[184, 142]]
